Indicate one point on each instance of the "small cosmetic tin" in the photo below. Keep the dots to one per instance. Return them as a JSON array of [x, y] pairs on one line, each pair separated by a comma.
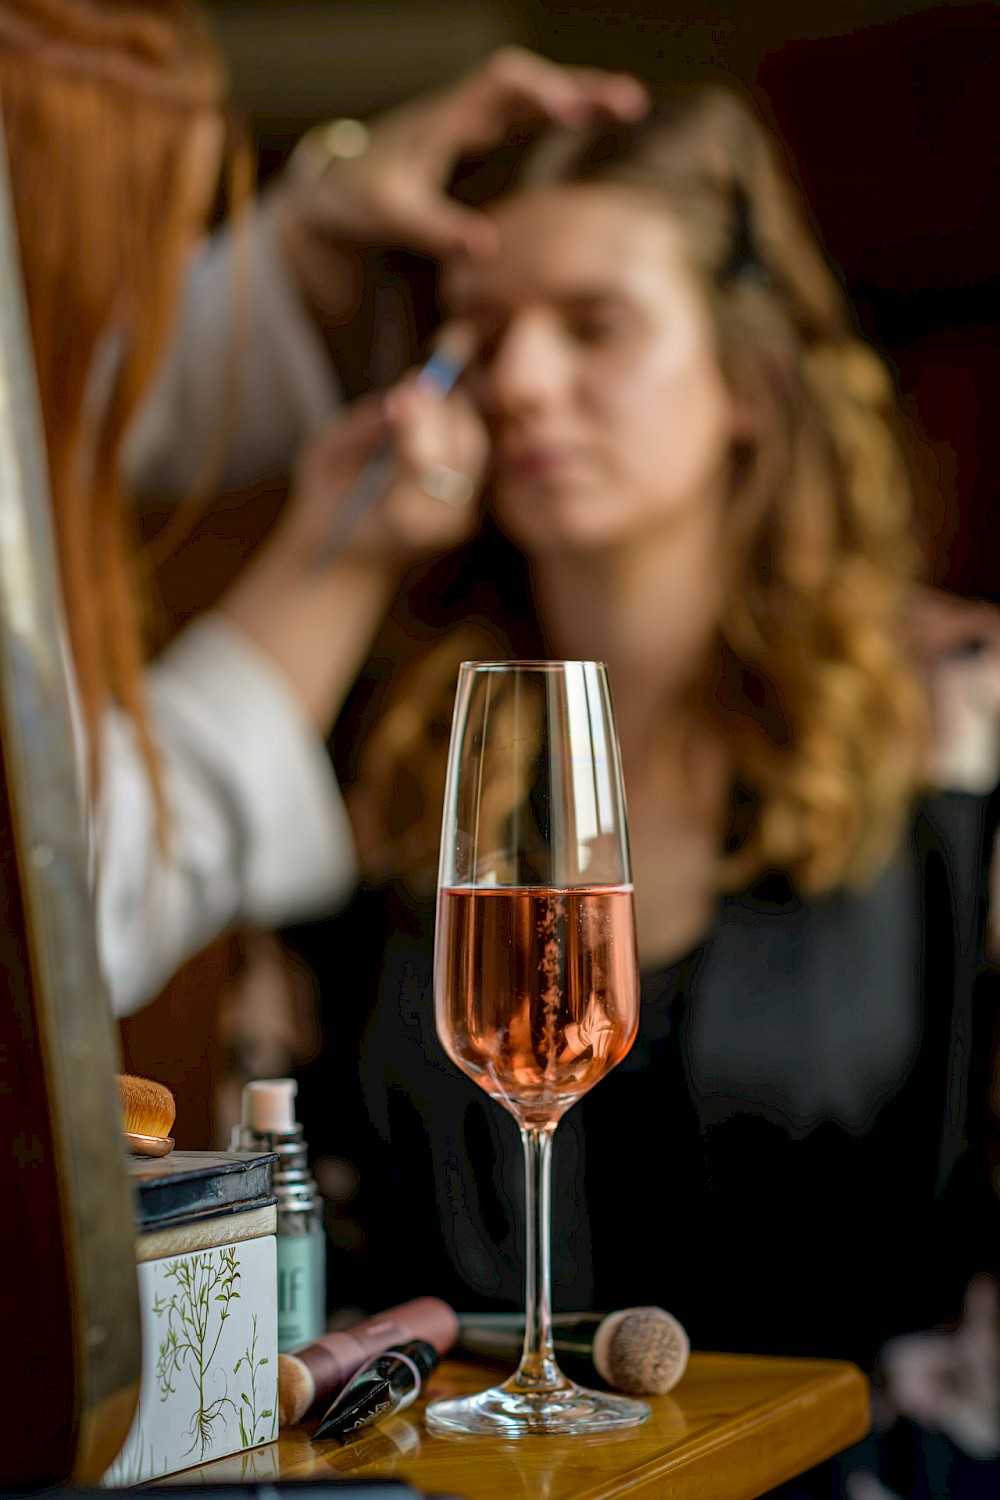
[[206, 1263]]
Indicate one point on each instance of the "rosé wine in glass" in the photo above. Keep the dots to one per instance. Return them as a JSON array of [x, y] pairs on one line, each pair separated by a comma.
[[537, 990], [536, 987]]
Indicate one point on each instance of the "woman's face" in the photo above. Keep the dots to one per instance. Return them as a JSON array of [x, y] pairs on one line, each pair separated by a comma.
[[598, 374]]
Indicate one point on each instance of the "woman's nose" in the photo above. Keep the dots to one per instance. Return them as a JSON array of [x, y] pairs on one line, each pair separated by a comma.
[[527, 369]]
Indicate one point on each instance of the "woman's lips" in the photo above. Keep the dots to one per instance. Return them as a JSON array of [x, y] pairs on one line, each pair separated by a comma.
[[540, 465]]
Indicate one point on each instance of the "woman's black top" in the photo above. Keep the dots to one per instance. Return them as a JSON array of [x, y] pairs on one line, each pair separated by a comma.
[[781, 1159]]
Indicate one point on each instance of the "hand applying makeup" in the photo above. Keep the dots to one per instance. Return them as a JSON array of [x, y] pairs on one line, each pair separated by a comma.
[[453, 348], [295, 592], [388, 186]]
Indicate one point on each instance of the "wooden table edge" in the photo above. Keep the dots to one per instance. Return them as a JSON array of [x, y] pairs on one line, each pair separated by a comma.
[[848, 1423], [826, 1411]]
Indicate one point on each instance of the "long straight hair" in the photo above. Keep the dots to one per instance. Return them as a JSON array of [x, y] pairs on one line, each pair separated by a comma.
[[112, 115]]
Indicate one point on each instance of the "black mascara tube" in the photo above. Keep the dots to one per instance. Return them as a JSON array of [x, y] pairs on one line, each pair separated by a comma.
[[384, 1386]]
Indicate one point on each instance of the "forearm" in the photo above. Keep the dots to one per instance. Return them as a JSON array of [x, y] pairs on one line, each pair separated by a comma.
[[257, 830], [315, 626], [314, 616]]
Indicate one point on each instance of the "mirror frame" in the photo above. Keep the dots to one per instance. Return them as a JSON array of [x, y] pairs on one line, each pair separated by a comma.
[[63, 1172]]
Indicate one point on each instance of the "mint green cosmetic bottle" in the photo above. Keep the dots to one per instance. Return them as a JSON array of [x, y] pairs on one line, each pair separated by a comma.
[[268, 1124]]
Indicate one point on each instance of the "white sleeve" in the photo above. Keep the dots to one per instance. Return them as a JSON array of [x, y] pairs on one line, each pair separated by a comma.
[[257, 826], [246, 380]]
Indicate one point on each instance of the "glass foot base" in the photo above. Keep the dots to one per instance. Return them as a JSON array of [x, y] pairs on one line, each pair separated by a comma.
[[507, 1411]]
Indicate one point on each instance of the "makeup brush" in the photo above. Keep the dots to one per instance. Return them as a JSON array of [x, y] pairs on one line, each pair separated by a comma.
[[454, 346], [642, 1351], [312, 1375], [147, 1114]]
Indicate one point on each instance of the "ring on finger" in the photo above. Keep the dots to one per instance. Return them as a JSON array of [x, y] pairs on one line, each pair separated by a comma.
[[450, 485]]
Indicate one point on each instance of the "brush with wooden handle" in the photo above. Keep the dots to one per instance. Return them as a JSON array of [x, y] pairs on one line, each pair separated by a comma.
[[147, 1115], [640, 1350]]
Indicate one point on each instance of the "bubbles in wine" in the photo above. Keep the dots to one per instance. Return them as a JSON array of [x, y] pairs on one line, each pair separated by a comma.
[[536, 990]]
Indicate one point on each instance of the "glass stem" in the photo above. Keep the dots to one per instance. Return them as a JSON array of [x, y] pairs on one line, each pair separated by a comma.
[[538, 1369]]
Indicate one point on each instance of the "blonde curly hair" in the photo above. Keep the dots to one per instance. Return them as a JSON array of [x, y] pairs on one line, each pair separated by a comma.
[[815, 695]]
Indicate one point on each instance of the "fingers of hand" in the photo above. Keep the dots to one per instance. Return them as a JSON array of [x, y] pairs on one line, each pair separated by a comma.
[[441, 453], [429, 431], [920, 1373], [617, 94], [515, 83], [395, 193], [395, 187], [451, 486], [340, 449], [981, 1303], [440, 225]]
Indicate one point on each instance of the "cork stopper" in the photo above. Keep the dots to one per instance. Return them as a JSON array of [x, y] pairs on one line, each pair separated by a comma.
[[641, 1350]]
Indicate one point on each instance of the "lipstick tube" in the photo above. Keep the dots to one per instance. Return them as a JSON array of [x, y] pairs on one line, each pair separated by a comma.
[[310, 1377]]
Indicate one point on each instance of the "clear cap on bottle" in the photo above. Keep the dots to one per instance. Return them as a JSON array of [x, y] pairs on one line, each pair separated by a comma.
[[268, 1105]]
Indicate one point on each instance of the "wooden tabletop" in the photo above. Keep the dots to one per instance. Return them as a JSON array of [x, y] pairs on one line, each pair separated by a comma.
[[734, 1427]]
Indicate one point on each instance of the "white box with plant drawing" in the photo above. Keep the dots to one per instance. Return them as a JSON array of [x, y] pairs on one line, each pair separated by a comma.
[[206, 1264]]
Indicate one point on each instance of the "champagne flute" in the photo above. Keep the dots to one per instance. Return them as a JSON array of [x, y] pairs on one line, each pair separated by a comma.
[[536, 986]]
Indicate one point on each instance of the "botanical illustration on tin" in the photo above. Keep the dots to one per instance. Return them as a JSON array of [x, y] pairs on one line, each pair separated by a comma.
[[209, 1375]]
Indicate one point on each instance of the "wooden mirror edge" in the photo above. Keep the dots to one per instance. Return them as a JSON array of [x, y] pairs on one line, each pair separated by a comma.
[[80, 1163]]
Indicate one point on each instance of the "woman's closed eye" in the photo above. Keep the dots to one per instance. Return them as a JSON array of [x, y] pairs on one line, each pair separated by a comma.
[[599, 319], [592, 319]]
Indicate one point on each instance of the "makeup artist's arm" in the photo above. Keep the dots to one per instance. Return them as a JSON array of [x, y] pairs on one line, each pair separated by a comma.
[[241, 703], [315, 620], [248, 377]]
